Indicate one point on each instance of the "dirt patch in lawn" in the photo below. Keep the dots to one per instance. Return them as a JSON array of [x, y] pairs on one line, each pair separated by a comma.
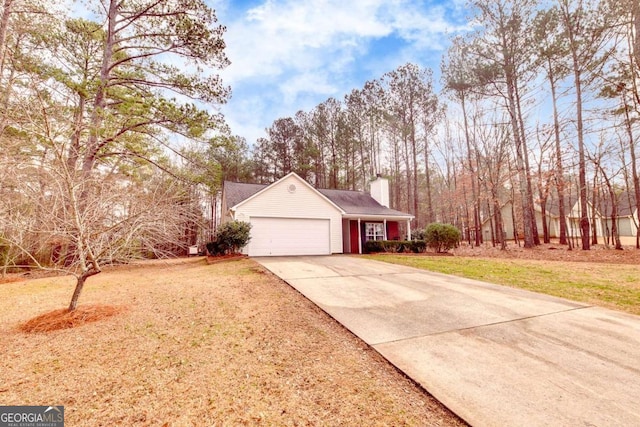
[[199, 344]]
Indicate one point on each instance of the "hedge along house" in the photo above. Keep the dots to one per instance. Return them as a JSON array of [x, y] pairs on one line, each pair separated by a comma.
[[290, 217]]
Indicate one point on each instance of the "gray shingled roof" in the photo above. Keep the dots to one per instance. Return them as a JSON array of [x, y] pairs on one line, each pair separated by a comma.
[[235, 192], [352, 202], [626, 204], [358, 202]]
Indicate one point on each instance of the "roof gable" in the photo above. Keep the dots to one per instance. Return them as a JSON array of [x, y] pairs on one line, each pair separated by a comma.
[[251, 191]]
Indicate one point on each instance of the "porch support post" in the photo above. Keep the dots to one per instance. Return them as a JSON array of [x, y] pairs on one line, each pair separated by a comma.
[[384, 232], [408, 229], [359, 237]]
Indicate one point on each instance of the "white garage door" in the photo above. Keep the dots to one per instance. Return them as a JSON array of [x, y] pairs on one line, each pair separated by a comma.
[[289, 236]]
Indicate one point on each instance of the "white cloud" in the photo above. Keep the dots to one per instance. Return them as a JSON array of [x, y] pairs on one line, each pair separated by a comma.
[[247, 117], [275, 37], [294, 54], [310, 83]]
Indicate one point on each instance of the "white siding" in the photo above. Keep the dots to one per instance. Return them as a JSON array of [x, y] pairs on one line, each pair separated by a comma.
[[277, 201]]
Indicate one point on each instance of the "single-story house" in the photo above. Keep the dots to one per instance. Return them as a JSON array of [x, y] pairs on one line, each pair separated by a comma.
[[291, 217]]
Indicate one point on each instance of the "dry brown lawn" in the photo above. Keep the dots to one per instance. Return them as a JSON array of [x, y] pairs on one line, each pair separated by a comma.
[[192, 344]]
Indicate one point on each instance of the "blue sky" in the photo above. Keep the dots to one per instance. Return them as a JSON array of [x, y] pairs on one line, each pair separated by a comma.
[[290, 55]]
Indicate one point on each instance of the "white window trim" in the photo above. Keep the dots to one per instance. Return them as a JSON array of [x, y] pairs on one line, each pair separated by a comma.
[[378, 231]]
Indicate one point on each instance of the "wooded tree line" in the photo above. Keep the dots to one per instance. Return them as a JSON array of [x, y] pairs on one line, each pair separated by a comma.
[[539, 107]]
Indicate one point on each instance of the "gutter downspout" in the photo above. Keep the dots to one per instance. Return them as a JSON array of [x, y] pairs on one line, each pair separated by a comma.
[[359, 237]]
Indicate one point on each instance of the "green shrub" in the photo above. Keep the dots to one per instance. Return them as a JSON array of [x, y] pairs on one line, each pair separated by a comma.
[[231, 237], [394, 246], [441, 237], [373, 246], [215, 248], [418, 246]]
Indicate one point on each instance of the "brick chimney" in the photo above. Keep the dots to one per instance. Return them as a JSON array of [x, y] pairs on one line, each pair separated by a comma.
[[380, 190]]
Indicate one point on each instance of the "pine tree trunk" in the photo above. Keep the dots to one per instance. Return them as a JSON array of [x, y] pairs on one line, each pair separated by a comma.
[[634, 164], [427, 173], [582, 167], [545, 227], [635, 13], [594, 228], [100, 102], [559, 173], [525, 152], [4, 25], [522, 179], [474, 192], [5, 85]]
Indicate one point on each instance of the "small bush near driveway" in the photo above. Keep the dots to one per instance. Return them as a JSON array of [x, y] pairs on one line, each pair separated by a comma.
[[442, 237]]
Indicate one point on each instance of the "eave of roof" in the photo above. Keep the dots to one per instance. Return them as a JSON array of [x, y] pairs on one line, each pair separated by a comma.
[[372, 217]]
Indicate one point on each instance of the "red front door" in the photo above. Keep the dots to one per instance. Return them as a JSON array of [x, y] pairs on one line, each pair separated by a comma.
[[354, 236], [392, 231]]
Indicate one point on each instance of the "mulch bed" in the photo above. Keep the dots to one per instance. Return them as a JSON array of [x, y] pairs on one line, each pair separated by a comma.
[[65, 319]]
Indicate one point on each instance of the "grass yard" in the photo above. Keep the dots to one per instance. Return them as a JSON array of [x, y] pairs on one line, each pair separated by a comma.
[[198, 345], [611, 285]]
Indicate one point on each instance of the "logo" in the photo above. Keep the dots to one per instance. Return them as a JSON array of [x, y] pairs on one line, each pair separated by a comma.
[[31, 416]]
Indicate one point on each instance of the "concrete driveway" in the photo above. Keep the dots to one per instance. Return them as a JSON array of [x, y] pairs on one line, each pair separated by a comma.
[[495, 356]]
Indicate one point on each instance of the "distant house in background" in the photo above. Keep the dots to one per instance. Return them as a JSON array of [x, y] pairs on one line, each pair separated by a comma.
[[507, 212], [290, 217], [626, 219]]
